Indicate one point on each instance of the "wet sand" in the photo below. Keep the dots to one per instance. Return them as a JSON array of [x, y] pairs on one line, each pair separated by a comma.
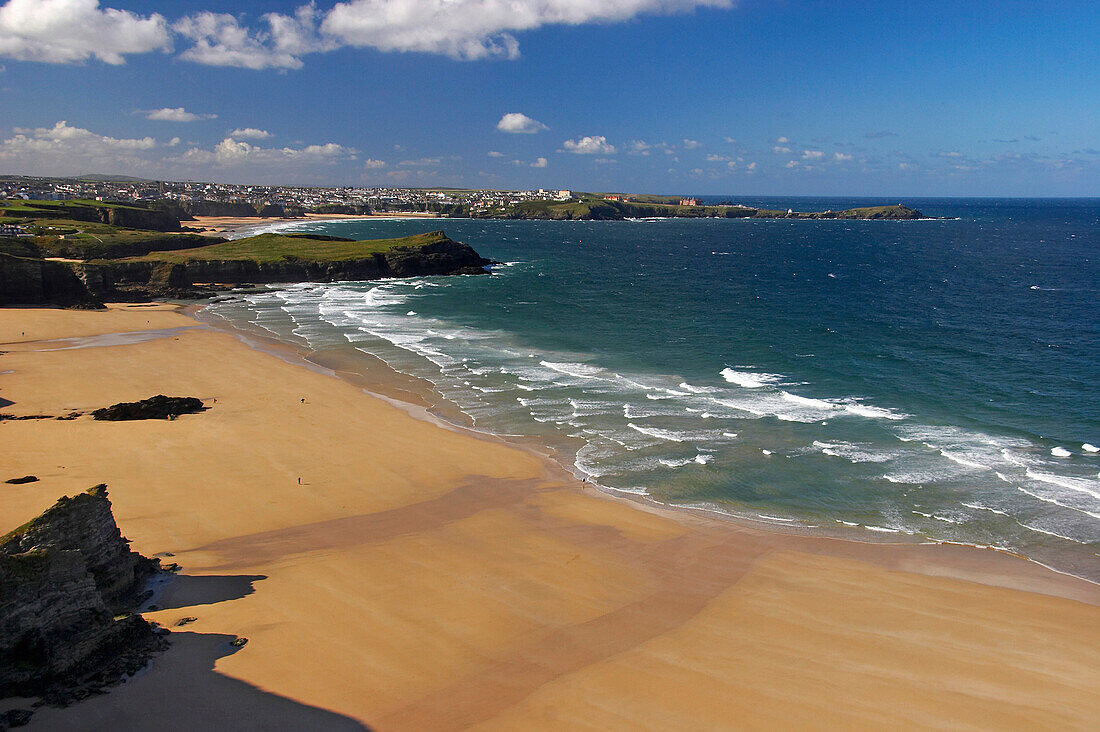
[[422, 577]]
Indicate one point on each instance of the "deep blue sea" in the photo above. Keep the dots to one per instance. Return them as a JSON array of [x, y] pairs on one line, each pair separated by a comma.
[[938, 379]]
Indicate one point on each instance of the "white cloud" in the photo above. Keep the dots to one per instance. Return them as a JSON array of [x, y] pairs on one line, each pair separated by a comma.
[[594, 145], [730, 140], [250, 133], [495, 154], [472, 29], [781, 150], [173, 142], [521, 124], [61, 149], [791, 164], [372, 164], [751, 167], [420, 163], [230, 152], [539, 163], [782, 140], [176, 114], [712, 158], [951, 154], [691, 144], [638, 147], [71, 31], [812, 154], [605, 161], [842, 157], [220, 40]]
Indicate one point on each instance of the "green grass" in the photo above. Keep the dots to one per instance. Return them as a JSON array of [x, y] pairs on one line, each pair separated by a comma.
[[281, 247]]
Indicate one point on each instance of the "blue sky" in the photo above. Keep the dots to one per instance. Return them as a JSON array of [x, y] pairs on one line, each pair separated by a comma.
[[670, 96]]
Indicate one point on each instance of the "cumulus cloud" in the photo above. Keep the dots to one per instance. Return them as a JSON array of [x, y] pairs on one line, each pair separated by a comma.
[[231, 152], [71, 31], [779, 150], [812, 154], [473, 29], [950, 154], [176, 114], [495, 154], [638, 147], [539, 163], [59, 149], [842, 157], [791, 164], [372, 164], [782, 140], [220, 40], [712, 158], [594, 145], [520, 124], [250, 133], [691, 144]]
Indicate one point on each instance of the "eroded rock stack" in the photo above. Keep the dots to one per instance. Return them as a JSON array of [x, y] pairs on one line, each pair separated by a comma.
[[68, 580]]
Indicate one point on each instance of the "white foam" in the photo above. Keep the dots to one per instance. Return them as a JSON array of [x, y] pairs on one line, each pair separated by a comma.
[[749, 380], [856, 453], [1090, 448], [980, 507], [579, 370], [1081, 485], [1056, 502], [1060, 452], [959, 459]]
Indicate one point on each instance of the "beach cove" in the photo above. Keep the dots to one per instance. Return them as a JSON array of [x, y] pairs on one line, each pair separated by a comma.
[[425, 577]]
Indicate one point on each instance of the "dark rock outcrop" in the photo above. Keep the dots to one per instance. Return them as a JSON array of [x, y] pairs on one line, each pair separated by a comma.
[[139, 218], [67, 581], [26, 281], [22, 481], [158, 407]]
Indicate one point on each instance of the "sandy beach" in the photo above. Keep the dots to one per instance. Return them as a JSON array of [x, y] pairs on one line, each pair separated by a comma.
[[395, 574], [225, 225]]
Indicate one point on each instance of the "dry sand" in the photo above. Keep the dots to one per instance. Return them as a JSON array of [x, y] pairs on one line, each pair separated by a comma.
[[422, 578], [220, 225]]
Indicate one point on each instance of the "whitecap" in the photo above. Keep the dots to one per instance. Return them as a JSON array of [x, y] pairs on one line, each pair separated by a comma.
[[1090, 448], [1060, 452], [749, 380]]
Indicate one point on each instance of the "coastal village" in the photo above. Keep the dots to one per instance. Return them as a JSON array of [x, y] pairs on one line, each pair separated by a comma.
[[289, 201]]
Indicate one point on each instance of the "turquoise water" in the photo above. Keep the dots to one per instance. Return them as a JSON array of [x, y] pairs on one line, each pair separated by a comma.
[[936, 378]]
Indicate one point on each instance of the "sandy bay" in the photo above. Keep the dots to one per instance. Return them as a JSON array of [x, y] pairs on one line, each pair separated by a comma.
[[420, 577]]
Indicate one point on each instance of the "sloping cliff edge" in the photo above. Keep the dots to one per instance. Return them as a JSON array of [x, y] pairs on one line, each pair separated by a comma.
[[26, 281], [68, 582]]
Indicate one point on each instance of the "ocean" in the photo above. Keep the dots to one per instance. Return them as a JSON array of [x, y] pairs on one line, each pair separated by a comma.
[[933, 380]]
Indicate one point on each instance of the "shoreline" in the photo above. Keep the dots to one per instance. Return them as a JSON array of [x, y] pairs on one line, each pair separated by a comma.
[[420, 400], [236, 227], [482, 586]]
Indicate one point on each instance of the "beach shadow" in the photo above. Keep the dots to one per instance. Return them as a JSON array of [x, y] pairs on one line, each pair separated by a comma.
[[190, 590], [181, 690], [5, 402], [467, 500]]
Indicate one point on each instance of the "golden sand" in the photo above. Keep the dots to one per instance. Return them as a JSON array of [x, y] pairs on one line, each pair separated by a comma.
[[423, 578]]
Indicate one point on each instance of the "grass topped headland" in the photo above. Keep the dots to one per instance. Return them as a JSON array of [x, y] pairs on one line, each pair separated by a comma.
[[617, 207], [267, 248]]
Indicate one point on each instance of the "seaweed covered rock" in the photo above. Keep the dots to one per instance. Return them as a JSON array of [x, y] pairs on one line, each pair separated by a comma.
[[67, 581], [158, 407]]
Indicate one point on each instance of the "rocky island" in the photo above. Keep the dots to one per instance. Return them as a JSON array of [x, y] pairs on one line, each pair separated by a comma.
[[69, 255]]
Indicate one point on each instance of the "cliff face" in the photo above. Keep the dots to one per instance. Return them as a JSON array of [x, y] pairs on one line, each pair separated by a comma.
[[134, 218], [180, 279], [26, 281], [64, 577]]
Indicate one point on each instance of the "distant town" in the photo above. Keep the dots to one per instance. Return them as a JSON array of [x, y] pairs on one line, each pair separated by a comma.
[[288, 201]]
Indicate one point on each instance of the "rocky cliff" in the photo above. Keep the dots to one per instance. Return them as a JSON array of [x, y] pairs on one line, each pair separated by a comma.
[[127, 280], [67, 580], [28, 281]]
